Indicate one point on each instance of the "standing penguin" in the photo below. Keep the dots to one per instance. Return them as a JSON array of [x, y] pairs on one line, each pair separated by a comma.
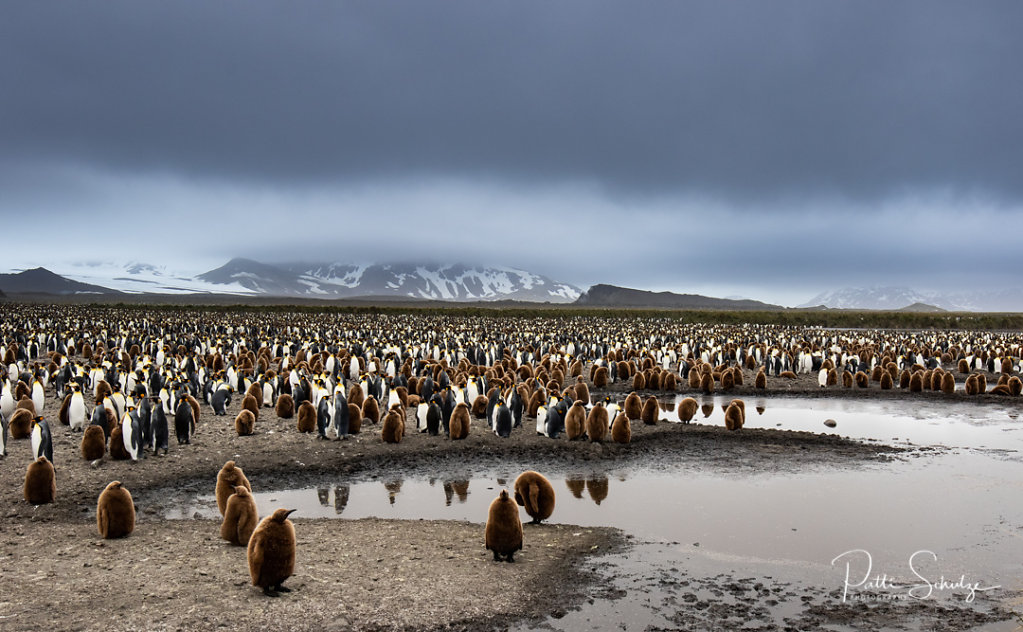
[[40, 483], [94, 443], [159, 430], [240, 518], [575, 421], [76, 408], [502, 420], [3, 434], [597, 425], [131, 434], [115, 512], [42, 441], [340, 416], [271, 553], [621, 429], [433, 419], [536, 494], [184, 421], [229, 477], [504, 529], [38, 396]]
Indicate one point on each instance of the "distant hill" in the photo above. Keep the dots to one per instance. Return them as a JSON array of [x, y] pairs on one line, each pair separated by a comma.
[[42, 281], [614, 296], [893, 298], [922, 307]]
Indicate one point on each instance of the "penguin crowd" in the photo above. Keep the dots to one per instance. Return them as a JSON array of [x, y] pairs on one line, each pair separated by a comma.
[[124, 378]]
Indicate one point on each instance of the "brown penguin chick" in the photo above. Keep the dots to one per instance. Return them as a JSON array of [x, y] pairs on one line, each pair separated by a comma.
[[575, 421], [356, 396], [194, 403], [582, 392], [875, 373], [1015, 385], [737, 377], [22, 391], [458, 427], [639, 382], [229, 477], [650, 411], [727, 380], [760, 381], [94, 443], [633, 406], [20, 423], [479, 406], [742, 410], [707, 383], [62, 416], [904, 378], [788, 375], [402, 394], [936, 377], [981, 384], [115, 512], [306, 417], [240, 517], [597, 424], [536, 400], [40, 484], [370, 410], [285, 407], [916, 382], [245, 422], [1000, 389], [832, 378], [102, 390], [733, 418], [354, 419], [971, 387], [687, 409], [926, 379], [948, 383], [963, 366], [670, 382], [504, 529], [251, 404], [1006, 365], [862, 380], [393, 428], [256, 391], [117, 450], [600, 377], [694, 378], [886, 381], [621, 429], [536, 494], [26, 404], [271, 552]]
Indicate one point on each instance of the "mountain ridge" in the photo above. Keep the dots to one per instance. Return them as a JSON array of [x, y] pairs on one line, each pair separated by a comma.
[[604, 295]]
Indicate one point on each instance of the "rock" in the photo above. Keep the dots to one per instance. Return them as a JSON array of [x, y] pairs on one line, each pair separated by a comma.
[[830, 423]]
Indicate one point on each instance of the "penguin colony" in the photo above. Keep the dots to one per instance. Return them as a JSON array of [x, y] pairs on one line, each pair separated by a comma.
[[123, 383]]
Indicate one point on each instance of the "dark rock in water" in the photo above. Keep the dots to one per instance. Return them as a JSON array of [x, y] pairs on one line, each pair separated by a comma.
[[830, 423]]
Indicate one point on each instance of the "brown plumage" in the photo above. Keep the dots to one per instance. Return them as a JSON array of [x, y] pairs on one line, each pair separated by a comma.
[[240, 517], [737, 377], [245, 422], [393, 428], [638, 382], [194, 403], [687, 409], [963, 366], [503, 532], [862, 380], [371, 410], [536, 494], [251, 404], [727, 380], [458, 428], [117, 450], [936, 378], [621, 429], [355, 395], [1015, 385], [597, 424], [536, 400], [354, 419], [707, 383], [94, 443], [115, 512], [670, 382], [1001, 389], [40, 485], [600, 377], [20, 423], [229, 477], [102, 390], [582, 392], [904, 378], [981, 384], [788, 375], [948, 383], [760, 381], [271, 552], [26, 404], [285, 407], [633, 406], [742, 410], [256, 391], [972, 386], [650, 411], [916, 382], [733, 418], [694, 378], [886, 381], [479, 406], [575, 421], [926, 379], [306, 417], [875, 373], [597, 488], [62, 416]]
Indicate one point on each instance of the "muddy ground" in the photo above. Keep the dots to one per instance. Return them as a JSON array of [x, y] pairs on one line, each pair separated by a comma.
[[356, 574]]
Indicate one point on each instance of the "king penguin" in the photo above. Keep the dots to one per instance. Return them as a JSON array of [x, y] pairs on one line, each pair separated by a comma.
[[76, 409], [42, 441]]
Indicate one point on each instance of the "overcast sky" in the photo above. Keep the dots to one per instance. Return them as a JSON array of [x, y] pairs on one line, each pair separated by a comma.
[[767, 149]]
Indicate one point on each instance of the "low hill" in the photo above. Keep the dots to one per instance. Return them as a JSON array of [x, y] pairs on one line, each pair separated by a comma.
[[42, 281], [613, 296]]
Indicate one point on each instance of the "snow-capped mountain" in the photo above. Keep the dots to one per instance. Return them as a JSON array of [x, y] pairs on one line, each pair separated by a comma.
[[420, 281], [892, 298], [245, 277]]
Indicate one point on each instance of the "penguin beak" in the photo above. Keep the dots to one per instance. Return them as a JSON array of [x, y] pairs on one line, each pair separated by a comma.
[[290, 511]]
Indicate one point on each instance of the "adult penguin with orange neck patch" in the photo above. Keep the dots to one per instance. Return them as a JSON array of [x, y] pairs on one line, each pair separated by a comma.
[[271, 553]]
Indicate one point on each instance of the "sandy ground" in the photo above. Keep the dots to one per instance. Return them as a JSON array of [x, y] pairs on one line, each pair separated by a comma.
[[351, 574]]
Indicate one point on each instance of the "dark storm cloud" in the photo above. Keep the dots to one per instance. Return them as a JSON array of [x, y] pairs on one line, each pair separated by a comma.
[[742, 101]]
